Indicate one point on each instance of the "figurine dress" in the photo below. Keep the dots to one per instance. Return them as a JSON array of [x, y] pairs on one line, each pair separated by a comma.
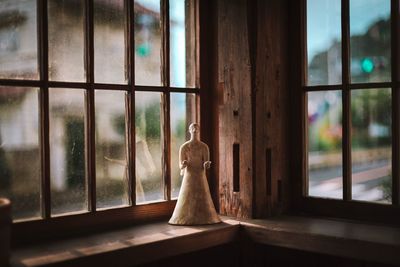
[[194, 205]]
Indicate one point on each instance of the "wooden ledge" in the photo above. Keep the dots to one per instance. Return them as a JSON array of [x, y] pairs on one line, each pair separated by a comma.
[[147, 243], [127, 247], [374, 243]]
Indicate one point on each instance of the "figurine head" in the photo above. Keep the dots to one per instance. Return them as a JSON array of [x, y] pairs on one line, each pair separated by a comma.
[[194, 129]]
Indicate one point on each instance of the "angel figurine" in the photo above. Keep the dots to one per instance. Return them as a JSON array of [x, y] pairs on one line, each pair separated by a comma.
[[194, 205]]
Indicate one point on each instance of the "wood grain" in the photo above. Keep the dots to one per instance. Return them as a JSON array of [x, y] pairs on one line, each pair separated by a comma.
[[235, 109]]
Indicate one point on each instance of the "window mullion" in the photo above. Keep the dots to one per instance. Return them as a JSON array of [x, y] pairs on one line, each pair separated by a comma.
[[395, 20], [346, 101], [130, 59], [90, 102], [44, 108], [165, 67]]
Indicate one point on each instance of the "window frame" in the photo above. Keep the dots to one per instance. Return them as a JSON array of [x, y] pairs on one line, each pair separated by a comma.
[[92, 220], [346, 207]]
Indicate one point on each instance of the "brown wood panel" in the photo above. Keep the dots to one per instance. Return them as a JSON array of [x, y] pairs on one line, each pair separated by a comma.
[[208, 67], [235, 109], [271, 107]]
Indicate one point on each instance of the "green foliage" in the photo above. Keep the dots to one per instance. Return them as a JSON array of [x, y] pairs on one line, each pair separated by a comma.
[[181, 129], [75, 145], [370, 106], [152, 117], [387, 188], [5, 173], [119, 124]]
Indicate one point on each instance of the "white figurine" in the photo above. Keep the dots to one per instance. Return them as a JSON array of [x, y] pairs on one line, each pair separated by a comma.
[[194, 205]]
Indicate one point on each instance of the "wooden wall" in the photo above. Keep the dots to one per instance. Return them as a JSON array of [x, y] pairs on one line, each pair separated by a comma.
[[252, 106]]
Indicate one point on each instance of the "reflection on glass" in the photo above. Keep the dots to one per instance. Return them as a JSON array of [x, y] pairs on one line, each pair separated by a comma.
[[182, 43], [371, 144], [325, 144], [109, 41], [324, 42], [183, 113], [19, 150], [66, 40], [18, 39], [67, 150], [147, 42], [370, 41], [149, 152], [112, 179]]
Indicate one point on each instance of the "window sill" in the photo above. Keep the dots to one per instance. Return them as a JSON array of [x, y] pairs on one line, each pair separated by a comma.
[[132, 246], [127, 247], [347, 239]]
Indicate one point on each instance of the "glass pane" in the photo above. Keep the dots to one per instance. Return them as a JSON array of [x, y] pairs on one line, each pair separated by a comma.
[[183, 113], [18, 39], [371, 115], [109, 41], [149, 152], [112, 181], [324, 42], [370, 41], [66, 40], [67, 150], [182, 43], [147, 42], [19, 150], [325, 144]]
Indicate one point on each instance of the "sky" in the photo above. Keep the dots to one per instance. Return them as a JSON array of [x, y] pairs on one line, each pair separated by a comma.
[[323, 20]]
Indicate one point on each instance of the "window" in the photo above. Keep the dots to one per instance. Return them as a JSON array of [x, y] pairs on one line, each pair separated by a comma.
[[350, 92], [96, 97]]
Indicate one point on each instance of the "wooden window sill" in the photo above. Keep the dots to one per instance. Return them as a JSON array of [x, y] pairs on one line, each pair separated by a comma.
[[150, 242], [127, 247], [354, 240]]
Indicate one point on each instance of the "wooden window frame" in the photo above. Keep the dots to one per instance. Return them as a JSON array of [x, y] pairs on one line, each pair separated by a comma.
[[94, 220], [346, 207]]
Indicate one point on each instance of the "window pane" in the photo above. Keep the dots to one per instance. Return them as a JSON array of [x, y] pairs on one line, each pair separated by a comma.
[[67, 150], [371, 144], [147, 42], [182, 43], [149, 152], [183, 113], [66, 40], [370, 41], [19, 150], [109, 41], [18, 39], [325, 144], [112, 181], [324, 42]]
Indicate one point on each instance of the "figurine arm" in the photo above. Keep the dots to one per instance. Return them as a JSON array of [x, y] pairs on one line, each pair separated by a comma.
[[206, 158], [183, 160]]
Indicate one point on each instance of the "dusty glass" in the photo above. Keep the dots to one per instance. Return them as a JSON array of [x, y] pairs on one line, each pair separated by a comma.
[[370, 41], [18, 40], [19, 150], [67, 150], [325, 144], [371, 148], [109, 42], [147, 43], [66, 40], [182, 43], [324, 42], [149, 147], [112, 177]]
